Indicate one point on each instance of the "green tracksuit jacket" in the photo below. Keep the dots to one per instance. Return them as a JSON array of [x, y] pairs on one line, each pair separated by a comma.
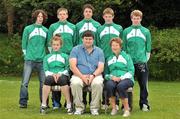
[[85, 25], [67, 31], [121, 66], [56, 62], [137, 43], [105, 33], [34, 40]]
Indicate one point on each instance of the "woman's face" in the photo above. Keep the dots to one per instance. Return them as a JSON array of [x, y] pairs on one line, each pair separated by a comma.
[[115, 47]]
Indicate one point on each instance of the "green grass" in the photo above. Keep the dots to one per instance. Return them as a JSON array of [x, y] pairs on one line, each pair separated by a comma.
[[164, 98]]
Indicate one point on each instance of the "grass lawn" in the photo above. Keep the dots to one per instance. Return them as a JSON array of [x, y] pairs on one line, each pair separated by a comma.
[[164, 99]]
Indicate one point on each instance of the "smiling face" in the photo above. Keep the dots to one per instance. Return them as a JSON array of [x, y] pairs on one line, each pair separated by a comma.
[[39, 19], [115, 47], [88, 13], [136, 20], [62, 15]]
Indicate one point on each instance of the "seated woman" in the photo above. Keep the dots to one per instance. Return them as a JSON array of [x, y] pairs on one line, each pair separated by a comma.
[[119, 75], [56, 67]]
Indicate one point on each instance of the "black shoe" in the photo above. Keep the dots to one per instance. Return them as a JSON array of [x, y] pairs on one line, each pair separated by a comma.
[[23, 106], [43, 109]]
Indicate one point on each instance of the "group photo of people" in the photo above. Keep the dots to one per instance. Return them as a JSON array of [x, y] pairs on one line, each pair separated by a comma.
[[86, 59]]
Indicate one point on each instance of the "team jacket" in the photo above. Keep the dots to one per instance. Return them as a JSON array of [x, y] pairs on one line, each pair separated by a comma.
[[34, 42], [85, 25], [56, 62], [105, 33], [67, 31], [137, 43], [121, 66]]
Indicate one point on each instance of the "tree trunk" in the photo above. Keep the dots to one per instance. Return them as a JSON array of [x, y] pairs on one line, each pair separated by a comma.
[[10, 16]]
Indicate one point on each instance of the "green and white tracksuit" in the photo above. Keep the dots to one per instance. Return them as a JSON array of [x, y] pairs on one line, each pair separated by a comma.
[[34, 40], [121, 66], [56, 62], [67, 31], [137, 43], [105, 33], [85, 25]]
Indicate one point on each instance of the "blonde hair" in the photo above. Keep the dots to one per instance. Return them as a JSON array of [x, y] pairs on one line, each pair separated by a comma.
[[57, 37], [117, 40], [108, 11], [136, 13], [62, 9]]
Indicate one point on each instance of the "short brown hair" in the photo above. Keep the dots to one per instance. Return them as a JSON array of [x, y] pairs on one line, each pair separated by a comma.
[[108, 11], [62, 9], [57, 37], [88, 33], [36, 13], [136, 13], [88, 6], [117, 40]]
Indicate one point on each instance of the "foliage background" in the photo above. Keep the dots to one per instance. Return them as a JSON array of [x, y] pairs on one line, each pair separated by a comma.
[[161, 17]]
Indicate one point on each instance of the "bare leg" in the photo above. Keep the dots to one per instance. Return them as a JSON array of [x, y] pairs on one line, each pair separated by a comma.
[[46, 91], [125, 103], [113, 102], [66, 92]]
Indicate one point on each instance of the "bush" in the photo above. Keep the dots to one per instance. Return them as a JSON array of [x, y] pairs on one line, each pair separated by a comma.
[[11, 58], [165, 58]]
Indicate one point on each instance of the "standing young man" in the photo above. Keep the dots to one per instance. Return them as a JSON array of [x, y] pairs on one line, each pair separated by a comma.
[[88, 23], [33, 47], [137, 43], [67, 32], [87, 64], [104, 34]]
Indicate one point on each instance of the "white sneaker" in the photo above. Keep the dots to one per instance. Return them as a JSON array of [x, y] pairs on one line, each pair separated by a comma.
[[114, 112], [78, 111], [126, 113], [94, 112], [55, 108], [145, 108], [117, 107]]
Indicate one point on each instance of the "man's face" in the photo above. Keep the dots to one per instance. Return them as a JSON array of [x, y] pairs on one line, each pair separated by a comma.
[[39, 19], [56, 45], [88, 13], [108, 18], [136, 20], [88, 42], [62, 15]]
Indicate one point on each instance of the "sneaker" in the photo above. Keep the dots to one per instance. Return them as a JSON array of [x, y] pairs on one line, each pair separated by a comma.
[[117, 107], [70, 111], [23, 106], [55, 108], [126, 113], [114, 112], [145, 108], [43, 109], [94, 112], [79, 111]]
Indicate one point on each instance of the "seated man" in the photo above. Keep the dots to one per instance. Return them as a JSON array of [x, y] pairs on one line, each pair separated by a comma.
[[87, 64], [56, 67]]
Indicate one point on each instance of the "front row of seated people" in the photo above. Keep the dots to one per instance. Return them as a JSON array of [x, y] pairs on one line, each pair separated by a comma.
[[87, 62]]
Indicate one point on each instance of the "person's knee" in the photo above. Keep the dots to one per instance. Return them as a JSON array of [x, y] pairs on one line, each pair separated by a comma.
[[49, 81], [63, 80], [109, 85]]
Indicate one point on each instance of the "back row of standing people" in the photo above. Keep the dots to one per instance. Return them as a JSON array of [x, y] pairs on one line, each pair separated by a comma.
[[136, 38]]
